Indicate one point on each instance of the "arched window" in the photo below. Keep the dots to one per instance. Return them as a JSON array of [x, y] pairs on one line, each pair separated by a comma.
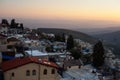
[[45, 72], [53, 71], [33, 72], [27, 73], [13, 74], [69, 66]]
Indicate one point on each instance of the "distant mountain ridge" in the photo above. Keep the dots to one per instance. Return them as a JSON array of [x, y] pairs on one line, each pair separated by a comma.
[[75, 34], [80, 35], [98, 31], [113, 38]]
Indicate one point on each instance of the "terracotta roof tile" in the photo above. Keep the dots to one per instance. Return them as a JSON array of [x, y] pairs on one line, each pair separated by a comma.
[[2, 35], [12, 39], [11, 64]]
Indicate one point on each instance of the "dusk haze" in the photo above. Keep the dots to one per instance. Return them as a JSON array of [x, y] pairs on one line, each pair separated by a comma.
[[99, 13], [59, 39]]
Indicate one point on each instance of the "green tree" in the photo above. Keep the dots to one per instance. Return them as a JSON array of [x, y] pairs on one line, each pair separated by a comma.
[[58, 37], [76, 53], [70, 42], [98, 54], [63, 37], [49, 48], [4, 21], [13, 23], [21, 26]]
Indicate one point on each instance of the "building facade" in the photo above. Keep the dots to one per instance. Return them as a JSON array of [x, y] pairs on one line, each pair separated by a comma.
[[31, 69]]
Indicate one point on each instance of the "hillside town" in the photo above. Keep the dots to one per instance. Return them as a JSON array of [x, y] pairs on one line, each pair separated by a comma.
[[26, 54]]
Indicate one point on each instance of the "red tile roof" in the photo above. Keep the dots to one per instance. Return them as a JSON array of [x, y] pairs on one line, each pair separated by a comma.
[[12, 39], [2, 35], [11, 64]]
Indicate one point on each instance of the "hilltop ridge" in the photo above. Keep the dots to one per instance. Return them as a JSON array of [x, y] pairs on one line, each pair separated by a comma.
[[76, 34]]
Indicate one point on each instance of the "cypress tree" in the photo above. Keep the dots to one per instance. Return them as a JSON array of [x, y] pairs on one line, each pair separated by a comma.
[[13, 23], [63, 37], [4, 21], [70, 42], [21, 26], [76, 53], [98, 54]]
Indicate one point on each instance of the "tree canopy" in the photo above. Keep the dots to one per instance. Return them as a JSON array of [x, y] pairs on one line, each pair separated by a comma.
[[76, 53], [4, 21], [70, 42], [60, 37], [98, 54]]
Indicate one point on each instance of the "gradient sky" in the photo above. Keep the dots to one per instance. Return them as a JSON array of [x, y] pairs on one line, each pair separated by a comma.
[[103, 10]]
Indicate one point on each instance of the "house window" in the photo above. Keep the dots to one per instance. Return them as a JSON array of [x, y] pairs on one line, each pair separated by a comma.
[[34, 72], [69, 66], [53, 71], [45, 72], [13, 74], [27, 73]]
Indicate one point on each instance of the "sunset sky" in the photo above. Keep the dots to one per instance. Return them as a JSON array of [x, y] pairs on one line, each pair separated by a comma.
[[103, 10]]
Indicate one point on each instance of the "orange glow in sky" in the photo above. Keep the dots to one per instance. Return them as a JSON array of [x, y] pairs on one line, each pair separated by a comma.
[[62, 9]]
